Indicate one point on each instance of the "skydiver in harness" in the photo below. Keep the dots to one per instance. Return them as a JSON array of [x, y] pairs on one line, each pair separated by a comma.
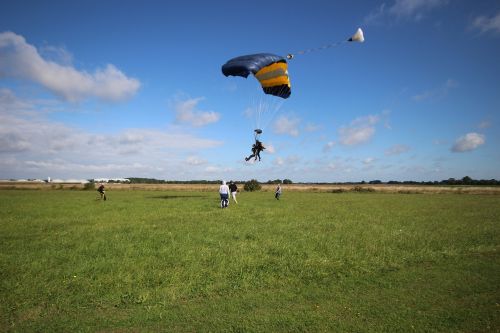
[[257, 147]]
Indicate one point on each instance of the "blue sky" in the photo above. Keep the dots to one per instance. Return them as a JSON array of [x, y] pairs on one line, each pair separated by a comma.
[[92, 89]]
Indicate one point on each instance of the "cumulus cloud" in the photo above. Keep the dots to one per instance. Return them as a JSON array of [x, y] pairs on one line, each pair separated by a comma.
[[186, 112], [13, 143], [408, 9], [9, 103], [129, 138], [468, 142], [287, 125], [360, 131], [487, 24], [396, 150], [21, 60], [31, 145]]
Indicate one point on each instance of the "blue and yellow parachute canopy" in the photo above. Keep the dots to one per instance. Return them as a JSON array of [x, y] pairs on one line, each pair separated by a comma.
[[271, 70]]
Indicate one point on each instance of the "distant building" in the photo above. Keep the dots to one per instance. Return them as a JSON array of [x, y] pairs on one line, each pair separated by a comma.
[[113, 180], [69, 181]]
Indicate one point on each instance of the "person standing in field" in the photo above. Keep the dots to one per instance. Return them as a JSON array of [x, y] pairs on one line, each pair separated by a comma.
[[101, 191], [277, 192], [233, 189], [224, 195]]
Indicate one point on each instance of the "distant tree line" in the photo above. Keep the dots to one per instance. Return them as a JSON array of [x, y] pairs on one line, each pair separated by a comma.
[[450, 181], [137, 180], [279, 181]]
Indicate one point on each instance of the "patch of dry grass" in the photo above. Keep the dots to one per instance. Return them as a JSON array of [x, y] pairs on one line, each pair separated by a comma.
[[332, 188]]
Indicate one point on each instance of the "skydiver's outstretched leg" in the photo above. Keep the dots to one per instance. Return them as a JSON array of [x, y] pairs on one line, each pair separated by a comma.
[[249, 157]]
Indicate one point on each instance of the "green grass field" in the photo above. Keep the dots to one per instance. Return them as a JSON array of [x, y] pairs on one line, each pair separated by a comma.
[[153, 261]]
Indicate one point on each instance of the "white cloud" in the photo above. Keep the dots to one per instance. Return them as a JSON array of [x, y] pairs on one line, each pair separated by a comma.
[[408, 9], [37, 147], [13, 143], [56, 54], [352, 136], [270, 148], [397, 150], [130, 138], [287, 125], [468, 142], [361, 130], [414, 8], [9, 103], [376, 15], [368, 160], [186, 112], [20, 60], [487, 24]]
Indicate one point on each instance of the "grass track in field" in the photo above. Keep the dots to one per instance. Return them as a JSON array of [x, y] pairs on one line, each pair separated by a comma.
[[173, 261]]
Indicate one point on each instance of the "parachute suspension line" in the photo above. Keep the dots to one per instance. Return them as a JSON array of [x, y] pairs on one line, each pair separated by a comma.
[[272, 109], [314, 49], [264, 109], [357, 37]]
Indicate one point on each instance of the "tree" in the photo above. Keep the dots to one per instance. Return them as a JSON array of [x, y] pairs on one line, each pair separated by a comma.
[[466, 180], [287, 181], [252, 185]]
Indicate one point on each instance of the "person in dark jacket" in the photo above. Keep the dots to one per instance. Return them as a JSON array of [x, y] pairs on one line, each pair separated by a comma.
[[233, 189], [101, 191]]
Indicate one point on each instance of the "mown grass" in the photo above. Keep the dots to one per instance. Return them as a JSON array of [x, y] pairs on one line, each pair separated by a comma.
[[148, 261]]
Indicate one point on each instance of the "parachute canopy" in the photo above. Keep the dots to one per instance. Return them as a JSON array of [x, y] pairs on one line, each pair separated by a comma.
[[271, 70]]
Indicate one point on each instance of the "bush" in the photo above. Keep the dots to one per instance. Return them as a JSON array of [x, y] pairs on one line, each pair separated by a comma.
[[89, 186], [362, 189], [252, 185]]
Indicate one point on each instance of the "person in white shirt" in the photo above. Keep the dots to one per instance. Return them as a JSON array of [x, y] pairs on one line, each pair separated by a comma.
[[277, 192], [224, 195]]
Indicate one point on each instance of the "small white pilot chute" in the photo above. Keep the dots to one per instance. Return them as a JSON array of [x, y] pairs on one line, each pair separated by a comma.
[[357, 37]]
